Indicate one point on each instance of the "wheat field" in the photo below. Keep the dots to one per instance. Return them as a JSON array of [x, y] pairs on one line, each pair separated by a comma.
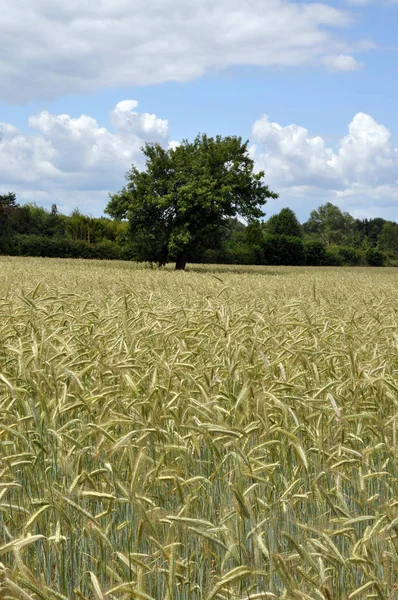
[[222, 433]]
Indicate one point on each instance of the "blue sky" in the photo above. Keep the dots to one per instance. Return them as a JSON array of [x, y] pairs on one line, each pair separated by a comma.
[[313, 86]]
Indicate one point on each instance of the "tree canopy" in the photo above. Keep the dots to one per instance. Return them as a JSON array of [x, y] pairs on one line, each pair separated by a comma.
[[187, 192], [9, 200], [388, 239], [8, 205], [284, 223], [332, 225]]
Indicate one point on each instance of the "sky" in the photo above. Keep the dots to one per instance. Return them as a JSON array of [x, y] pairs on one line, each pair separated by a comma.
[[313, 86]]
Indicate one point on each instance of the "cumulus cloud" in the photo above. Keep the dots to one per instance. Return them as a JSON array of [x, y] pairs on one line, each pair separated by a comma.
[[52, 47], [76, 162], [360, 174]]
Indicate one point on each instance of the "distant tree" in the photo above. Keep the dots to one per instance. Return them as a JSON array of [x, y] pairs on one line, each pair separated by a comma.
[[34, 219], [78, 226], [388, 239], [8, 200], [331, 225], [8, 210], [254, 234], [56, 223], [186, 191], [370, 229], [254, 238], [284, 223]]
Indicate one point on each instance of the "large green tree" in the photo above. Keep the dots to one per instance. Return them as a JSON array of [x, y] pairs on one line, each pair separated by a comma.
[[186, 192]]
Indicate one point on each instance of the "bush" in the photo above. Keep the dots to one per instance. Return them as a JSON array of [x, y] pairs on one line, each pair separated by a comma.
[[106, 250], [350, 256], [240, 254], [126, 252], [333, 258], [374, 257], [210, 256], [283, 250], [390, 259], [35, 245], [315, 253]]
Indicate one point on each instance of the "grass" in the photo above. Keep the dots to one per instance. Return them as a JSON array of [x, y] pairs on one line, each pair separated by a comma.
[[213, 434]]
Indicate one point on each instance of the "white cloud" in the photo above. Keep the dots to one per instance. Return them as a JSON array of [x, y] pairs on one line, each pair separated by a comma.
[[173, 144], [341, 62], [52, 47], [362, 172], [364, 2], [75, 162]]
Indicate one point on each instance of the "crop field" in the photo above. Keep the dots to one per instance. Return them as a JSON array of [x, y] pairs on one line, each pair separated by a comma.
[[221, 433]]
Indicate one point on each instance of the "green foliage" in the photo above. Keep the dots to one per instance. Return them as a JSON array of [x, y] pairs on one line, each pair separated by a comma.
[[284, 223], [186, 190], [331, 225], [31, 230], [283, 250], [35, 220], [332, 257], [315, 253], [254, 239], [349, 255], [388, 239], [374, 257], [9, 200], [242, 254], [254, 234], [36, 245], [8, 209], [370, 230]]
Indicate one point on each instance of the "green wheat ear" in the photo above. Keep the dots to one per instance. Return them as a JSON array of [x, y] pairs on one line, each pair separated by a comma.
[[229, 437]]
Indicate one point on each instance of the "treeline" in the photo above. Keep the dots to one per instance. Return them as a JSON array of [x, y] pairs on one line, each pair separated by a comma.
[[328, 237], [31, 230]]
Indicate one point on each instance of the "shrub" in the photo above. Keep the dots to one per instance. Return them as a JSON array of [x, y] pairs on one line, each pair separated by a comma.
[[374, 257], [349, 255], [333, 258], [35, 245], [315, 253], [240, 254], [283, 250]]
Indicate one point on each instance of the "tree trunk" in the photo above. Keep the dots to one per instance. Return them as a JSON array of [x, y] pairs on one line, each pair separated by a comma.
[[181, 262]]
